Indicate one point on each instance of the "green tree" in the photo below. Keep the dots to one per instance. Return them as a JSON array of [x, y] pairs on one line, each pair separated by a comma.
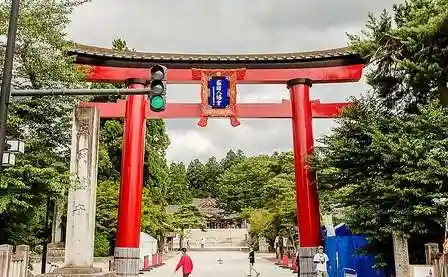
[[407, 53], [42, 122], [277, 200], [384, 172], [212, 171], [232, 158], [106, 207], [155, 219], [178, 191], [187, 217], [368, 165], [195, 175], [261, 223], [242, 185]]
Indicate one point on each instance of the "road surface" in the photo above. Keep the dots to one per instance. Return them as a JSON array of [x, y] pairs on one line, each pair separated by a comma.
[[235, 264]]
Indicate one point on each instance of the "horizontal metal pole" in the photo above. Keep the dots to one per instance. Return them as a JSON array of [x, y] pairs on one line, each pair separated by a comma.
[[15, 189], [73, 92]]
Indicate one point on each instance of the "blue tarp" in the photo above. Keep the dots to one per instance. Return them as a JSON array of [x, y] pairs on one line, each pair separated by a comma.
[[340, 230], [342, 253]]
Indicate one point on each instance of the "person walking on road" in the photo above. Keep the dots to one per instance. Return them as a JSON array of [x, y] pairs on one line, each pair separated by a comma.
[[203, 242], [186, 263], [251, 262]]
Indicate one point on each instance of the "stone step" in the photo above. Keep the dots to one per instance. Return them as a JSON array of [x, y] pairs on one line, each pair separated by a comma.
[[99, 274]]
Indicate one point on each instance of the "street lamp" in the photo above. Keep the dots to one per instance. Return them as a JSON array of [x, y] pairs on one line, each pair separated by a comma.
[[16, 146], [12, 147], [9, 159]]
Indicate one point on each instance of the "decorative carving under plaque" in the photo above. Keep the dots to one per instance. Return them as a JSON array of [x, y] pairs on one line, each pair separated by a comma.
[[230, 77]]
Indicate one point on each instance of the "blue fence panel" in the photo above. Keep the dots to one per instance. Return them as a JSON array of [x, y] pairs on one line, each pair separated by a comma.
[[342, 253], [331, 249], [345, 254], [364, 263]]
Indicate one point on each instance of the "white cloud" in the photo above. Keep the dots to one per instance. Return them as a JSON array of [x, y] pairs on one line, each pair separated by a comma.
[[231, 26]]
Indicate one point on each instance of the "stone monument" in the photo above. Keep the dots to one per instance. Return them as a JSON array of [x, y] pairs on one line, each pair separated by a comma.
[[81, 208]]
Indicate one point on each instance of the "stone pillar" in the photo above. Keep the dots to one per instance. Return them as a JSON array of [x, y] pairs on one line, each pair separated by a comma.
[[431, 252], [20, 260], [401, 255], [5, 259], [56, 249], [56, 228], [82, 193]]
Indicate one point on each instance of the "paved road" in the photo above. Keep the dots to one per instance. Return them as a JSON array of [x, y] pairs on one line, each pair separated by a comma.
[[235, 264]]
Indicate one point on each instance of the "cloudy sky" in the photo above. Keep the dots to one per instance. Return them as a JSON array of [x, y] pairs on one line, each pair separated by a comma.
[[229, 26]]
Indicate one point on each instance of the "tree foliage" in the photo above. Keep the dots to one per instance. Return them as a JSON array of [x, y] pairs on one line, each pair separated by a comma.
[[262, 190], [42, 122], [178, 192], [232, 158], [384, 165], [408, 53], [242, 185], [196, 177], [384, 171], [188, 216]]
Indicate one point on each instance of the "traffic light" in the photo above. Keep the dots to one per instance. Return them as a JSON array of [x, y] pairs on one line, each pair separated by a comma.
[[157, 96]]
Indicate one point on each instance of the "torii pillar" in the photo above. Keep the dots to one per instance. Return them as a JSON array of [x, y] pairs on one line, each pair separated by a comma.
[[308, 215], [127, 251]]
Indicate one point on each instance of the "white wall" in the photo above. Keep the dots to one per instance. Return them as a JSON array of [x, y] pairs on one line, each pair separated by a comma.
[[148, 246]]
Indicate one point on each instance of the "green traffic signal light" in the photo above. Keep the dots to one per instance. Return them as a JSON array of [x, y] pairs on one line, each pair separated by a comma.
[[157, 95], [157, 103]]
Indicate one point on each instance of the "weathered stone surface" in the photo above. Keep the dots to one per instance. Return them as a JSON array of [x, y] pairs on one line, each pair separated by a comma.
[[82, 193], [80, 232], [401, 256], [307, 266], [14, 264], [56, 227], [431, 252]]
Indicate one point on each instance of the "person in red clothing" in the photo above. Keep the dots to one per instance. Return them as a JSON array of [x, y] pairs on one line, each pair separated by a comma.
[[186, 263]]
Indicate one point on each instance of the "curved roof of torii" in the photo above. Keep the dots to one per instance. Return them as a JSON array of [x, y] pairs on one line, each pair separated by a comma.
[[91, 55]]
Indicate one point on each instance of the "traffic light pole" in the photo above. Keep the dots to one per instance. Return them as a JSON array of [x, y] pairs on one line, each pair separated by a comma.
[[7, 73], [79, 92]]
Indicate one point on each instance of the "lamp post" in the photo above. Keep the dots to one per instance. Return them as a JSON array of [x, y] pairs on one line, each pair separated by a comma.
[[7, 73]]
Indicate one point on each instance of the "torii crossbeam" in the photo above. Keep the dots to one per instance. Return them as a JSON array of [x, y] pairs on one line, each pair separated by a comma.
[[244, 110]]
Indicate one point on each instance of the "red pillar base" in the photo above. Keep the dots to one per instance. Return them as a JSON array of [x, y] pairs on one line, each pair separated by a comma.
[[307, 266], [127, 261]]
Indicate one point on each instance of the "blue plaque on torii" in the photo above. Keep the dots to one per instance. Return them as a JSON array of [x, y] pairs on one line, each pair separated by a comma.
[[218, 92]]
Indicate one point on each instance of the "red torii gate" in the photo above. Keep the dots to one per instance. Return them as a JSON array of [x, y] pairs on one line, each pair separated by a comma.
[[297, 70]]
